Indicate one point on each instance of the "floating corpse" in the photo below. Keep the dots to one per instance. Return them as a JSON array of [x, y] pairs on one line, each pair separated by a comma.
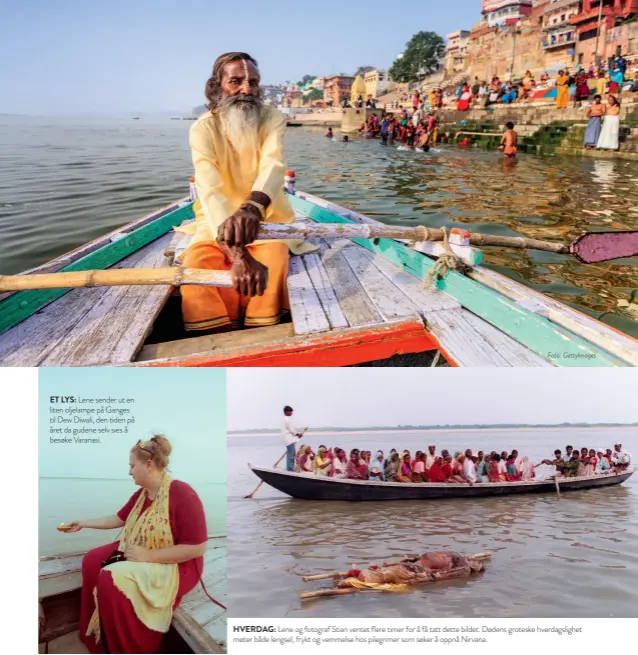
[[399, 576]]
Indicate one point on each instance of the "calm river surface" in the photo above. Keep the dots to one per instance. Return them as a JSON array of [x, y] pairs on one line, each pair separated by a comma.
[[575, 557], [66, 181]]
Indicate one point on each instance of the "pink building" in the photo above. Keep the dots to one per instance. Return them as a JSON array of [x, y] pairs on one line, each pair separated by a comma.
[[505, 12]]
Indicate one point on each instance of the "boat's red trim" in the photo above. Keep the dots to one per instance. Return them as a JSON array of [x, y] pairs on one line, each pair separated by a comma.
[[338, 348]]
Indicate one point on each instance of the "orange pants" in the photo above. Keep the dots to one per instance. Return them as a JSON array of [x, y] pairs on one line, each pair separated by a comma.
[[205, 308]]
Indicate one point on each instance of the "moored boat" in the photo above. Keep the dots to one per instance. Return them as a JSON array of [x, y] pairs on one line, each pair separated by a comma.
[[306, 486], [199, 625], [353, 302]]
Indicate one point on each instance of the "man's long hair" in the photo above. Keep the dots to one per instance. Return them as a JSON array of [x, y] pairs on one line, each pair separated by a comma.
[[213, 89]]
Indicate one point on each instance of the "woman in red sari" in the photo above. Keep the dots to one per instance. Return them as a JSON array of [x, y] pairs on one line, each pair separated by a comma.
[[435, 472], [161, 558]]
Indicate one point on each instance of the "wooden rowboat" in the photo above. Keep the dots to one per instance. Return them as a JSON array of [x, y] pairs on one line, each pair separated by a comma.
[[311, 487], [199, 626], [353, 302]]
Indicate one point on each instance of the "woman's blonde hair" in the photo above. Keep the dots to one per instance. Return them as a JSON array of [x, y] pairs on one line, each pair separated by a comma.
[[157, 449]]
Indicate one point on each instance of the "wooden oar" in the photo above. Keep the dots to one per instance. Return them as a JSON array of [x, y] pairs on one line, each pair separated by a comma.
[[254, 491], [588, 248], [325, 576]]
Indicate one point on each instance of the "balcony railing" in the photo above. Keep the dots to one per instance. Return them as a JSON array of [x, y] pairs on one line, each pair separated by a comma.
[[555, 26], [558, 44], [555, 6]]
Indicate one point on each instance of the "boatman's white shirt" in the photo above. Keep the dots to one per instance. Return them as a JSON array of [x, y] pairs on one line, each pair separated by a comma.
[[289, 431]]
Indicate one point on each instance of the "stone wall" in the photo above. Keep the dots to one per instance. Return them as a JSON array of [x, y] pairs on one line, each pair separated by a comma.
[[351, 118], [491, 53]]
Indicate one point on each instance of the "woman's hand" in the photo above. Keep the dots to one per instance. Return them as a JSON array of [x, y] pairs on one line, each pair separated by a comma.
[[138, 554], [74, 526]]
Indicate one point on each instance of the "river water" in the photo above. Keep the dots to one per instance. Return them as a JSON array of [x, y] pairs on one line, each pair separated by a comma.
[[570, 558], [66, 181]]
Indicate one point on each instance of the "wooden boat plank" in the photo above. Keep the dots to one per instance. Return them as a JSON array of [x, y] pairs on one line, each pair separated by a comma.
[[468, 340], [389, 301], [307, 311], [327, 296], [194, 635], [18, 307], [341, 347], [31, 341], [355, 303], [534, 331], [424, 298], [621, 345], [211, 343], [116, 326], [465, 339]]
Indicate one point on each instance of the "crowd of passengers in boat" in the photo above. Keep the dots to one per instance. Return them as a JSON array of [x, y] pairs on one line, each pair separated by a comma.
[[461, 468]]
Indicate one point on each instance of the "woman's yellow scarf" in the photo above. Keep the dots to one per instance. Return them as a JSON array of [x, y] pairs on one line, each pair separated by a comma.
[[151, 588]]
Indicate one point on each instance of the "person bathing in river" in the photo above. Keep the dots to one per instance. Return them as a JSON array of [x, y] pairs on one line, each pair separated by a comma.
[[595, 114], [238, 154], [329, 133], [509, 142], [131, 587]]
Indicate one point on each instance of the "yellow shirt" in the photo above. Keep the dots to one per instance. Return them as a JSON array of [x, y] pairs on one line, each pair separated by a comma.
[[225, 179]]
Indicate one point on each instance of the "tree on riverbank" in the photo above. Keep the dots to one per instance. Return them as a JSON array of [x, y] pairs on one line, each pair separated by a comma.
[[362, 70], [306, 79], [422, 56], [312, 95]]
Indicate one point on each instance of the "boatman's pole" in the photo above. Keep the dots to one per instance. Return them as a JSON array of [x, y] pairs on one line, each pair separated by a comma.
[[254, 491]]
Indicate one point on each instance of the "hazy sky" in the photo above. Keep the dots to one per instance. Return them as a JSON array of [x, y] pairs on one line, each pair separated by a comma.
[[352, 397], [72, 56], [187, 405]]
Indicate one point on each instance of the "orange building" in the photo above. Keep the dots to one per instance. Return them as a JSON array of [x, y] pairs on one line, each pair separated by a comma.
[[337, 88]]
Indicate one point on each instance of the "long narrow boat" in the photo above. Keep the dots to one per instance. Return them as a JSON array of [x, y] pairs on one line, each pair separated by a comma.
[[199, 626], [353, 302], [311, 487]]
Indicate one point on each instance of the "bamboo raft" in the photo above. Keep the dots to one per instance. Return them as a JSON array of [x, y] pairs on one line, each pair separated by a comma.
[[345, 591], [354, 301], [199, 626]]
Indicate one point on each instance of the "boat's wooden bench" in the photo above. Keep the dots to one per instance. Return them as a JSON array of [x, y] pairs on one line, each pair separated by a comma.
[[200, 622]]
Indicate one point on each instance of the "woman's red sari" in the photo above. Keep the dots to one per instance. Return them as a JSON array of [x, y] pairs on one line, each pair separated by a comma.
[[121, 630], [436, 474]]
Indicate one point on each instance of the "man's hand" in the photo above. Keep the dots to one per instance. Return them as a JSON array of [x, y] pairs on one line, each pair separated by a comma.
[[250, 277], [240, 228]]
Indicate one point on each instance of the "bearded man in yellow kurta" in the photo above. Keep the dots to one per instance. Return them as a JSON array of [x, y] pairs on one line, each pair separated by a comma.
[[238, 154]]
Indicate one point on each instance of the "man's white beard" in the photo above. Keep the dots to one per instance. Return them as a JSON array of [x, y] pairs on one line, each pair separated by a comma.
[[241, 124]]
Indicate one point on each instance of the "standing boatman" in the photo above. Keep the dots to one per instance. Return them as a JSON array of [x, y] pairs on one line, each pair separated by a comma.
[[290, 436]]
